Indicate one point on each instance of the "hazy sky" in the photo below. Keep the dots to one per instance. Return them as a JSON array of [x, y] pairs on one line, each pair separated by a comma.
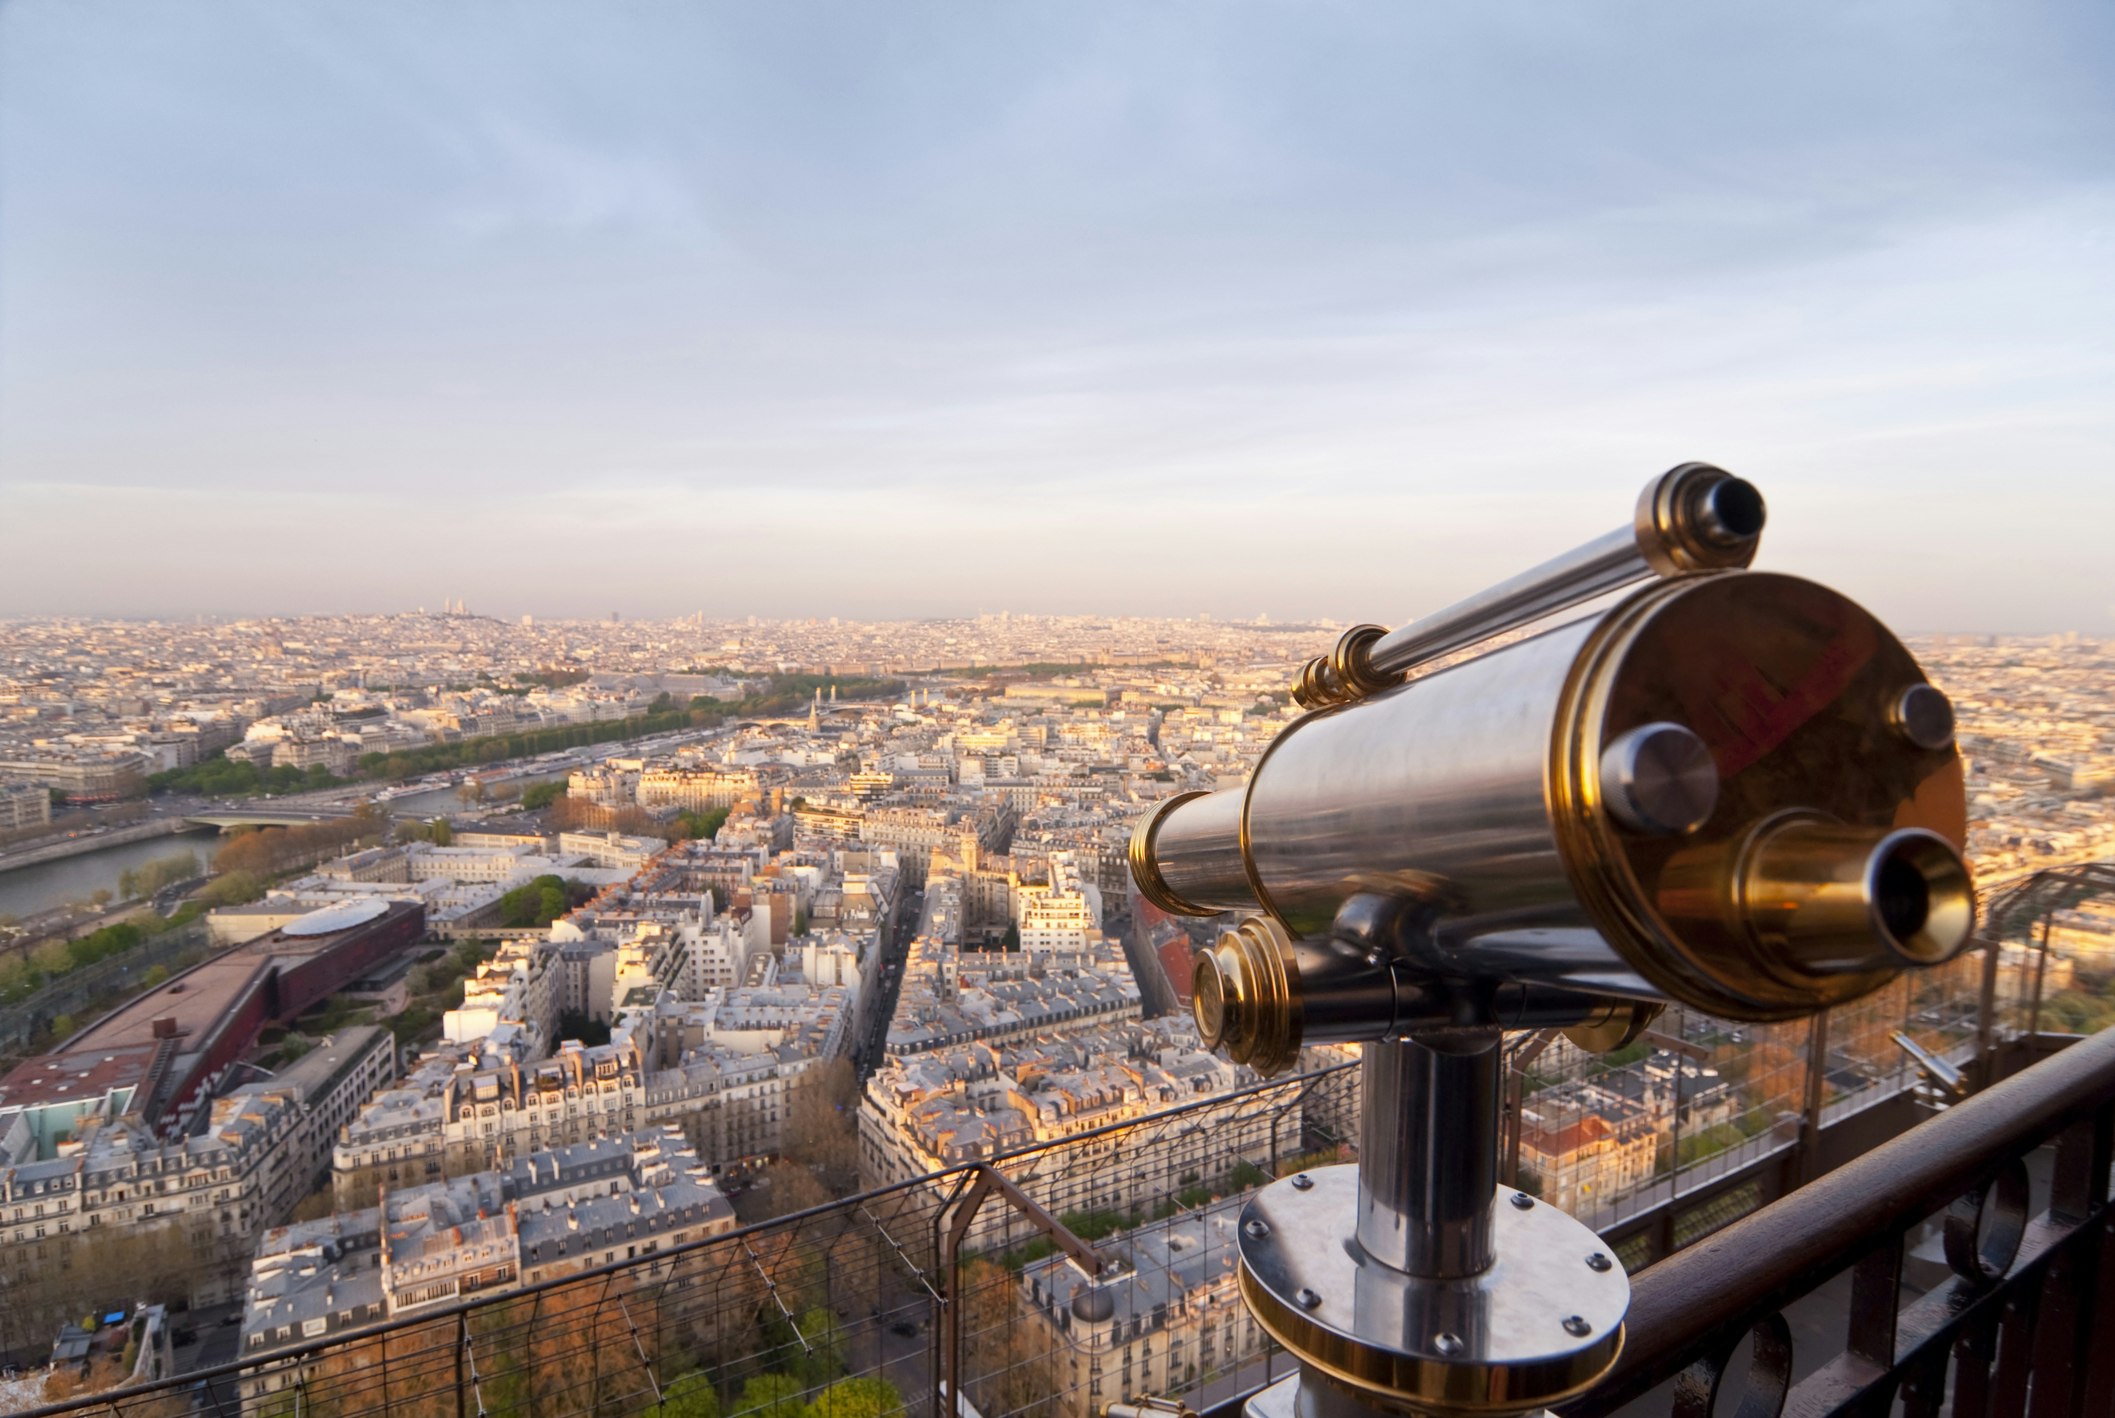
[[891, 309]]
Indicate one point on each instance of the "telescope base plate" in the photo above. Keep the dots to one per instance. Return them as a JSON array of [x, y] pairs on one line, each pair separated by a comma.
[[1542, 1324]]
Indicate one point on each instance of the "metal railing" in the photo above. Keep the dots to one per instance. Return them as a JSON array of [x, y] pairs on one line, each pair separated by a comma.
[[868, 1296], [2010, 1332]]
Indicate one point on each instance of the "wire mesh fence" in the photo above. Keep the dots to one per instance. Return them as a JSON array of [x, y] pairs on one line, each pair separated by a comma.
[[874, 1304], [1158, 1310], [833, 1312]]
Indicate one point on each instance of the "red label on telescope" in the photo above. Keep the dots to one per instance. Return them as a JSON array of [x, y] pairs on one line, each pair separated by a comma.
[[1760, 703]]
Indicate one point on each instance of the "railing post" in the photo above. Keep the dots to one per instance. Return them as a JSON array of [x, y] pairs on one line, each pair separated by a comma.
[[2057, 1332], [535, 1379], [1974, 1353], [1816, 1083], [1681, 1072], [1986, 1016], [1876, 1287], [2079, 1184], [462, 1343], [1514, 1101], [2041, 970], [1924, 1387], [2098, 1385]]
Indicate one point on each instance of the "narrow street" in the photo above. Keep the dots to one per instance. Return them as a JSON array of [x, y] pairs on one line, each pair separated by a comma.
[[895, 950]]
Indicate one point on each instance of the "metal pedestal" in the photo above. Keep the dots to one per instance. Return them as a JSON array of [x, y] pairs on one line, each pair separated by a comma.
[[1411, 1283]]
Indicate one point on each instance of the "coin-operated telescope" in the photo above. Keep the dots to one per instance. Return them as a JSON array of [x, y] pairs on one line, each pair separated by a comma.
[[1728, 789]]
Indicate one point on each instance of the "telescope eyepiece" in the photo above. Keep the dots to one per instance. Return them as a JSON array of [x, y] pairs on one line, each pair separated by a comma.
[[1901, 898], [1697, 517], [1828, 899], [1923, 897], [1730, 512]]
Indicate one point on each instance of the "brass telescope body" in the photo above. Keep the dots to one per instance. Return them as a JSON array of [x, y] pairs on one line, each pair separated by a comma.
[[1828, 859], [1729, 789]]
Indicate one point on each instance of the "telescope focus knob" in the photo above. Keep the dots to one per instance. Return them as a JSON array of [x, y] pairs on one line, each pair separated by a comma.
[[1659, 779], [1244, 995]]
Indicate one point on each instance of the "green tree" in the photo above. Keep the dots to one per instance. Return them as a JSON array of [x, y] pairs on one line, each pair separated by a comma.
[[232, 889], [690, 1396], [822, 1126], [822, 1360], [537, 903], [470, 954], [770, 1396], [586, 1028], [541, 795], [700, 826], [413, 1021], [857, 1398]]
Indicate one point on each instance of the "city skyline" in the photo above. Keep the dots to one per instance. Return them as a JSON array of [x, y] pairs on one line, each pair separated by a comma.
[[547, 953], [845, 711], [1095, 312], [735, 620]]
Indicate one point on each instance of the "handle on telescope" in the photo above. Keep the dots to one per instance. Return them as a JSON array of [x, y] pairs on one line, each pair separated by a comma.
[[1693, 517]]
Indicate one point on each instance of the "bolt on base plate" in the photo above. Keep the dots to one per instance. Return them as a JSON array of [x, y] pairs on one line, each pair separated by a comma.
[[1543, 1323]]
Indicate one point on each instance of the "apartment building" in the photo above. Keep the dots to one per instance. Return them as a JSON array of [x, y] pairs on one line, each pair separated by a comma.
[[549, 1214], [24, 806], [261, 1151], [1162, 1318]]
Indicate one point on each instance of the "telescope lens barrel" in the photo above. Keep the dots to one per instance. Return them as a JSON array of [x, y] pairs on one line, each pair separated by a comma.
[[1186, 855], [1831, 899]]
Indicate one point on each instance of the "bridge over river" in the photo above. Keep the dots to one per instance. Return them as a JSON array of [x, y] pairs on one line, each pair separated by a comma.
[[256, 816]]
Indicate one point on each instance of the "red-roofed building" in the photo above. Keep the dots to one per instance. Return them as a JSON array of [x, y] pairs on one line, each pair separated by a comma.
[[160, 1056]]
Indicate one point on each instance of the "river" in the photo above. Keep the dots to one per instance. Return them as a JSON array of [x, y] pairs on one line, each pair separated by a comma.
[[28, 890], [441, 802]]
